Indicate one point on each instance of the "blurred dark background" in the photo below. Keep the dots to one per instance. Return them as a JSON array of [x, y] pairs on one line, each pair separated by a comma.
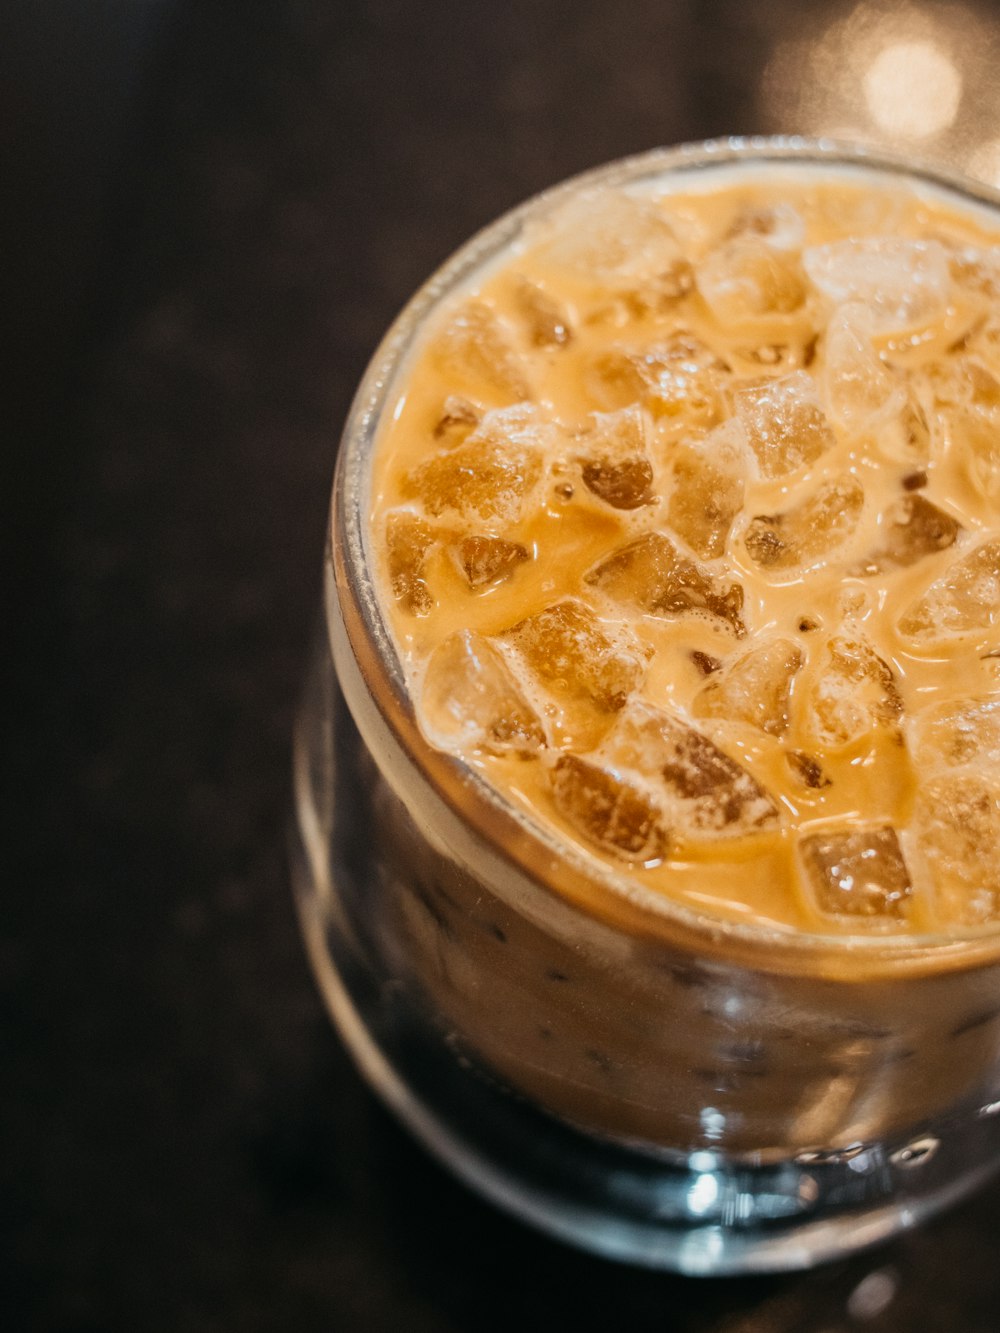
[[213, 210]]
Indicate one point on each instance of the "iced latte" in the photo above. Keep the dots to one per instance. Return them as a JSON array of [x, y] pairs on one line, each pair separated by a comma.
[[682, 524]]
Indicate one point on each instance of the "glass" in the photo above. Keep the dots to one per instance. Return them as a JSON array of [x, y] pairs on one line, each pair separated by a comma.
[[654, 1086]]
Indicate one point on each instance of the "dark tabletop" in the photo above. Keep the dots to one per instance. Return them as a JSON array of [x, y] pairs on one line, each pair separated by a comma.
[[220, 208]]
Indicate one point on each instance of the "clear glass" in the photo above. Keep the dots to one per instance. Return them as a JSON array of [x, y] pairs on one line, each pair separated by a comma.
[[645, 1082]]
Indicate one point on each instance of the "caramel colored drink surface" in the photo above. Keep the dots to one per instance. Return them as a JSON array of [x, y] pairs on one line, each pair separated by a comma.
[[687, 521]]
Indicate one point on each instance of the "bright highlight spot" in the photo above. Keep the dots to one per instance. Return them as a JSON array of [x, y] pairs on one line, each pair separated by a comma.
[[912, 89], [702, 1194]]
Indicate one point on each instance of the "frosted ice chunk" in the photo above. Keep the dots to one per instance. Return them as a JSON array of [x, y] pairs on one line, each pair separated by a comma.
[[777, 358], [963, 381], [650, 574], [905, 434], [490, 474], [785, 425], [475, 348], [810, 530], [701, 789], [857, 872], [471, 699], [956, 829], [576, 655], [781, 225], [409, 541], [860, 391], [608, 809], [709, 478], [977, 270], [853, 692], [546, 320], [865, 211], [911, 528], [975, 442], [754, 688], [616, 238], [614, 459], [902, 282], [746, 278], [679, 376], [963, 731], [983, 386], [672, 285], [486, 560], [657, 295], [966, 598], [457, 420]]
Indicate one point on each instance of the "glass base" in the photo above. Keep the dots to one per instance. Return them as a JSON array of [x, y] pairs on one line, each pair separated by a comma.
[[697, 1214]]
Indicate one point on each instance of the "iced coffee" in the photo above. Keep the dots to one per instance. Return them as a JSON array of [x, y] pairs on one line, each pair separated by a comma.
[[651, 871], [687, 523]]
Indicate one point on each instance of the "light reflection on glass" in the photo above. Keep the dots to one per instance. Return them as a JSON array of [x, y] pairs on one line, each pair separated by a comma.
[[713, 1123], [702, 1194]]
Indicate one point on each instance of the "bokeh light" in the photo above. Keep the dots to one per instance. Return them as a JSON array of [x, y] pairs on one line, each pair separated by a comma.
[[912, 89], [915, 77]]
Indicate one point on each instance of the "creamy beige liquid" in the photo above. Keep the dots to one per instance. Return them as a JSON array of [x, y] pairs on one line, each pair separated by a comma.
[[686, 522]]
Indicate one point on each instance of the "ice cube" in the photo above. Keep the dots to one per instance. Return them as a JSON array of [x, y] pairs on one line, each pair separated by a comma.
[[547, 322], [781, 225], [957, 732], [905, 433], [956, 830], [810, 530], [857, 872], [408, 541], [475, 348], [490, 475], [650, 574], [702, 790], [471, 699], [863, 211], [785, 425], [965, 599], [911, 528], [618, 239], [862, 394], [608, 809], [746, 278], [615, 460], [709, 486], [776, 358], [975, 445], [487, 560], [679, 376], [853, 692], [577, 656], [983, 385], [963, 381], [902, 282], [457, 420], [672, 285], [754, 688]]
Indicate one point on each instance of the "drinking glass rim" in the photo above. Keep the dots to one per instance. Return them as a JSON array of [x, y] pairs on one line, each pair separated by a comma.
[[507, 828]]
